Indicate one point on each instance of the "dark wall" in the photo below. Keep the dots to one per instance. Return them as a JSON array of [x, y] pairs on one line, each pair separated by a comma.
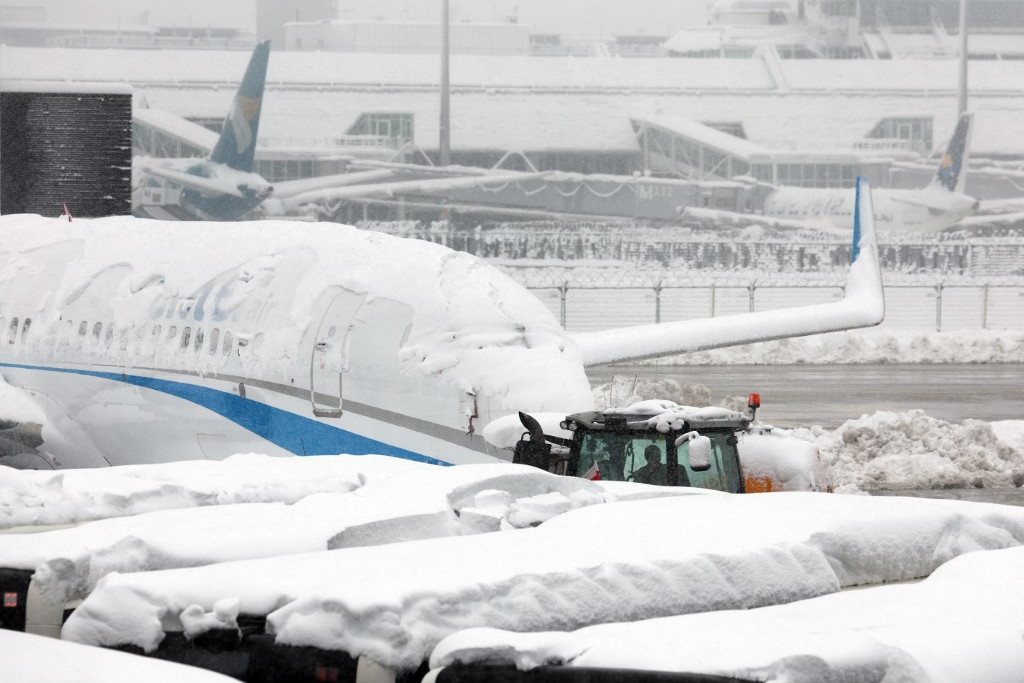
[[73, 148]]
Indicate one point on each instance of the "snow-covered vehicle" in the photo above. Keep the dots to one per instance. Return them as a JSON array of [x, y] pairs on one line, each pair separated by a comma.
[[663, 443]]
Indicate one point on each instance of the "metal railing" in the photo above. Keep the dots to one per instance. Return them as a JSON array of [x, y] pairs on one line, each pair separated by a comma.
[[941, 307]]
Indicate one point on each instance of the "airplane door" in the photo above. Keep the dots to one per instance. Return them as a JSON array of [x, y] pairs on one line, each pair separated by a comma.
[[328, 353]]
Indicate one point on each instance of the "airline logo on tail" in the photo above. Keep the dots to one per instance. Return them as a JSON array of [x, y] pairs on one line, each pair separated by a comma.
[[955, 159], [243, 112]]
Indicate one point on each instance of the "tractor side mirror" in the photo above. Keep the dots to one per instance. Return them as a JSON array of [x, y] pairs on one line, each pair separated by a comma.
[[698, 451], [700, 454]]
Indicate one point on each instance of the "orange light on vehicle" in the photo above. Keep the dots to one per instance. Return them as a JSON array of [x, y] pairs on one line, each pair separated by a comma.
[[754, 401]]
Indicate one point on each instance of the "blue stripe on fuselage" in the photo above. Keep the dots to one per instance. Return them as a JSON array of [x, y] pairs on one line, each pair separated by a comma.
[[294, 433]]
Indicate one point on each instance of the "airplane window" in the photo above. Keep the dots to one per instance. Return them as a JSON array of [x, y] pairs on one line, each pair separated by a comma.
[[13, 333], [229, 342], [83, 328], [172, 332], [214, 338], [109, 338], [200, 335], [96, 329], [156, 330], [24, 329], [186, 334]]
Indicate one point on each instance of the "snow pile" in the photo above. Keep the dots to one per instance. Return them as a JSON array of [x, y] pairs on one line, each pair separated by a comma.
[[47, 660], [624, 390], [894, 451], [963, 623], [417, 502], [877, 346], [29, 497], [598, 564]]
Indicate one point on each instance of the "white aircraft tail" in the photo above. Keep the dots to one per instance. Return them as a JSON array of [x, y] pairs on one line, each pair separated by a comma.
[[862, 306], [952, 173]]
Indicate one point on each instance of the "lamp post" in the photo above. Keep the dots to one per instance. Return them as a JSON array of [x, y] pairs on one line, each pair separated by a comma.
[[962, 91], [444, 150]]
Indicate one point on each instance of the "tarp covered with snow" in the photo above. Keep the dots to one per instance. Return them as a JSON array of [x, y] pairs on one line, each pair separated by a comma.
[[599, 564], [963, 623]]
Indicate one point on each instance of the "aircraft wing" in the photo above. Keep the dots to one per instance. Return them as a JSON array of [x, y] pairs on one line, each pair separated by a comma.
[[207, 186], [421, 186], [720, 217], [292, 188], [862, 306]]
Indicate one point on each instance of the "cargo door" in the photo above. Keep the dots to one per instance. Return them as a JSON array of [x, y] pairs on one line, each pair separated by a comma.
[[328, 353]]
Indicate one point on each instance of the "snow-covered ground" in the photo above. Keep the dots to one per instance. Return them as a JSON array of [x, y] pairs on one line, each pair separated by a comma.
[[29, 497]]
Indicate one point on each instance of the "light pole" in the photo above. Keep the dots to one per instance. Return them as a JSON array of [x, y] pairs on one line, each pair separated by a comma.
[[444, 150], [962, 92]]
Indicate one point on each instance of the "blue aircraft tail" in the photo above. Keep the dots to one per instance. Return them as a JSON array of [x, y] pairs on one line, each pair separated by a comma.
[[952, 173], [237, 143]]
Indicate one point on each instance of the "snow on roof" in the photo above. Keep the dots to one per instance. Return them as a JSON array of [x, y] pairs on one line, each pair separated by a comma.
[[59, 87], [961, 623], [470, 326], [399, 501], [705, 135], [172, 124], [49, 660], [598, 564], [668, 415], [538, 103]]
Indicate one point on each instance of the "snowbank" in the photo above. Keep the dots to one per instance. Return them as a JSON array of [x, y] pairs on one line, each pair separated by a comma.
[[29, 497], [894, 451], [863, 347], [48, 660], [951, 627], [597, 564]]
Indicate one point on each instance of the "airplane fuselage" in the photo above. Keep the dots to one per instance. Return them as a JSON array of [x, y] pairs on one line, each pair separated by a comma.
[[152, 342], [895, 210]]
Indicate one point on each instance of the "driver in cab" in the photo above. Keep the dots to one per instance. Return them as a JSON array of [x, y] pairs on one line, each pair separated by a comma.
[[654, 472]]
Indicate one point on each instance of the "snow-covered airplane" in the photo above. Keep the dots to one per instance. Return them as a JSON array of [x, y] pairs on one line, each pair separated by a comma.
[[147, 341], [224, 186], [934, 208]]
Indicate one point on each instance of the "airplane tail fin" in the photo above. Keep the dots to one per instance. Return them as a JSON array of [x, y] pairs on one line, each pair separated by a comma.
[[236, 146], [952, 173]]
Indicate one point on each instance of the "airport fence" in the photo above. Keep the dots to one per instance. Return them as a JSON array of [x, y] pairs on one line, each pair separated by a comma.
[[582, 307]]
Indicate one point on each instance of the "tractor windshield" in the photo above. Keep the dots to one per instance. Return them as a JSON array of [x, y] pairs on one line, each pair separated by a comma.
[[643, 457], [620, 456]]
